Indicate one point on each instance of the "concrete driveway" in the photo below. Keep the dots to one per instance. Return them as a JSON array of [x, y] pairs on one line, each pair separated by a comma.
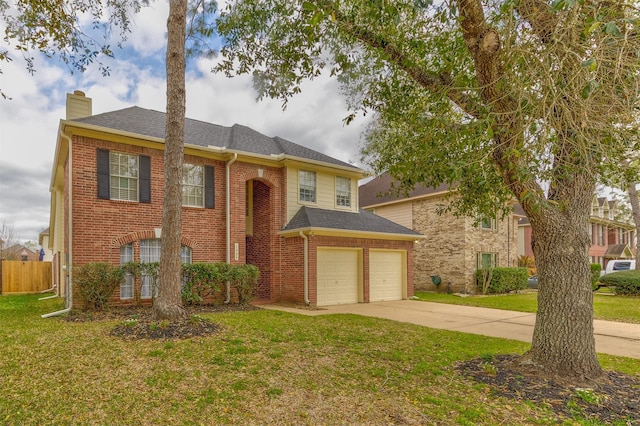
[[614, 338]]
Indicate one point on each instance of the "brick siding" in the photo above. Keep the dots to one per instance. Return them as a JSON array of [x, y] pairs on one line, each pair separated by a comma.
[[452, 244]]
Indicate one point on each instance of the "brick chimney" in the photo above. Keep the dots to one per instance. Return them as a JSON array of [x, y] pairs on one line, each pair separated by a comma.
[[78, 105]]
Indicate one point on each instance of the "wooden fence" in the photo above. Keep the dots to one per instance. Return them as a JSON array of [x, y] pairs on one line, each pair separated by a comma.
[[18, 277]]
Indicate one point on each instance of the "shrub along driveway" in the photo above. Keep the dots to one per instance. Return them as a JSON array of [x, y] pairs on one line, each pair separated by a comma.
[[614, 338]]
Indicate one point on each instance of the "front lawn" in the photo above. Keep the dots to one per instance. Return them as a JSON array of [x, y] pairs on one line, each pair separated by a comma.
[[264, 367], [605, 305]]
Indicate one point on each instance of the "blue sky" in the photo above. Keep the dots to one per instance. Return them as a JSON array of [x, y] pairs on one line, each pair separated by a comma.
[[29, 122]]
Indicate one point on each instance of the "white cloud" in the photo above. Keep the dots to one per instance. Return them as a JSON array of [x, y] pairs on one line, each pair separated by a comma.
[[149, 30]]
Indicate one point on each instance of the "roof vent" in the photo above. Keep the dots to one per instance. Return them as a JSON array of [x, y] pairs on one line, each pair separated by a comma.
[[78, 105]]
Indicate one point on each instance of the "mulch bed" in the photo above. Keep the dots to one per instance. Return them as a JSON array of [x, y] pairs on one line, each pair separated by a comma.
[[615, 398], [138, 322]]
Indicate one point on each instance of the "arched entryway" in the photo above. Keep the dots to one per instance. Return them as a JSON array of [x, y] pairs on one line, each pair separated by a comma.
[[259, 233]]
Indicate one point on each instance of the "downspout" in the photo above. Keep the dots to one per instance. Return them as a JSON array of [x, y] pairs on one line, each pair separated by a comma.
[[228, 214], [306, 268], [69, 270]]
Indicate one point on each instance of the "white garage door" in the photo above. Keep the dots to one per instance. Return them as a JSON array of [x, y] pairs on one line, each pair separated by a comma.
[[338, 276], [386, 275]]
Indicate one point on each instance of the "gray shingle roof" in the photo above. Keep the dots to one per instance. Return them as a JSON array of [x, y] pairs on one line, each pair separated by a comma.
[[309, 217], [147, 122], [382, 189]]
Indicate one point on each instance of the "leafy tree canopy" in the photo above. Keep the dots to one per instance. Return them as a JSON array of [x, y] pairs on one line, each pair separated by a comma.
[[84, 32], [493, 96], [78, 30]]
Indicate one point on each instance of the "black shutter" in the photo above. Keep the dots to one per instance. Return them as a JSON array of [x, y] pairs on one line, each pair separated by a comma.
[[145, 179], [209, 192], [103, 173]]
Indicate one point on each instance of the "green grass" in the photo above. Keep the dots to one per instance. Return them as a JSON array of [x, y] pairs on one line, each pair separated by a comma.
[[263, 367], [605, 306]]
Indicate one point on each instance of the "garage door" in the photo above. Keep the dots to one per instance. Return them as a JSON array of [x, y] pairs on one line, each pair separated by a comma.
[[386, 275], [338, 276]]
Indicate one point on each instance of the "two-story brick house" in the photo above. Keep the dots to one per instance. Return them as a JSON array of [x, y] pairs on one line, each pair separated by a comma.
[[247, 198], [611, 236], [454, 247]]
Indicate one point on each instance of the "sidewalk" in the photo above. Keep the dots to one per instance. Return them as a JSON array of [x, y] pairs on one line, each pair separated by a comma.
[[614, 338]]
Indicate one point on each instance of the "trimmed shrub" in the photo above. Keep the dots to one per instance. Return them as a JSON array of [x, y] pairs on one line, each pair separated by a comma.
[[244, 279], [596, 268], [96, 283], [623, 283], [503, 280], [202, 280]]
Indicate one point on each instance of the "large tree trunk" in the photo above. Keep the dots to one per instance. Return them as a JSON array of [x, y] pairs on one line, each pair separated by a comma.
[[635, 211], [563, 342], [168, 304]]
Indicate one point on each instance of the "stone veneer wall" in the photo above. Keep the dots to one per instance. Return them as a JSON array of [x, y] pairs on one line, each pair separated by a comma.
[[452, 244]]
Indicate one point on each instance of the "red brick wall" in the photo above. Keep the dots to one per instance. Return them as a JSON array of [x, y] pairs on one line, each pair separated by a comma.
[[292, 269], [272, 180], [100, 226], [259, 244]]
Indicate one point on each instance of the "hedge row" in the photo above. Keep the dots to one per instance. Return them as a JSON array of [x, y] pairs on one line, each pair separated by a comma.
[[501, 280], [97, 282], [624, 282]]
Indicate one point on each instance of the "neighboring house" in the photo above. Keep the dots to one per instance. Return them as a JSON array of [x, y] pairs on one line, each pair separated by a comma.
[[247, 198], [454, 247], [611, 238], [43, 241], [19, 252]]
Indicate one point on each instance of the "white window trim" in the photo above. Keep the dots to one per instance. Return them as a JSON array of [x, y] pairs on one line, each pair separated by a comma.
[[492, 220], [128, 282], [350, 195], [112, 176], [146, 283], [315, 189], [494, 259], [186, 185]]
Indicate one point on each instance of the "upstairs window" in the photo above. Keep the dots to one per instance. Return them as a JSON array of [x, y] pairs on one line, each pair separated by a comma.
[[343, 192], [601, 234], [307, 185], [488, 223], [123, 176], [123, 170], [192, 185]]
